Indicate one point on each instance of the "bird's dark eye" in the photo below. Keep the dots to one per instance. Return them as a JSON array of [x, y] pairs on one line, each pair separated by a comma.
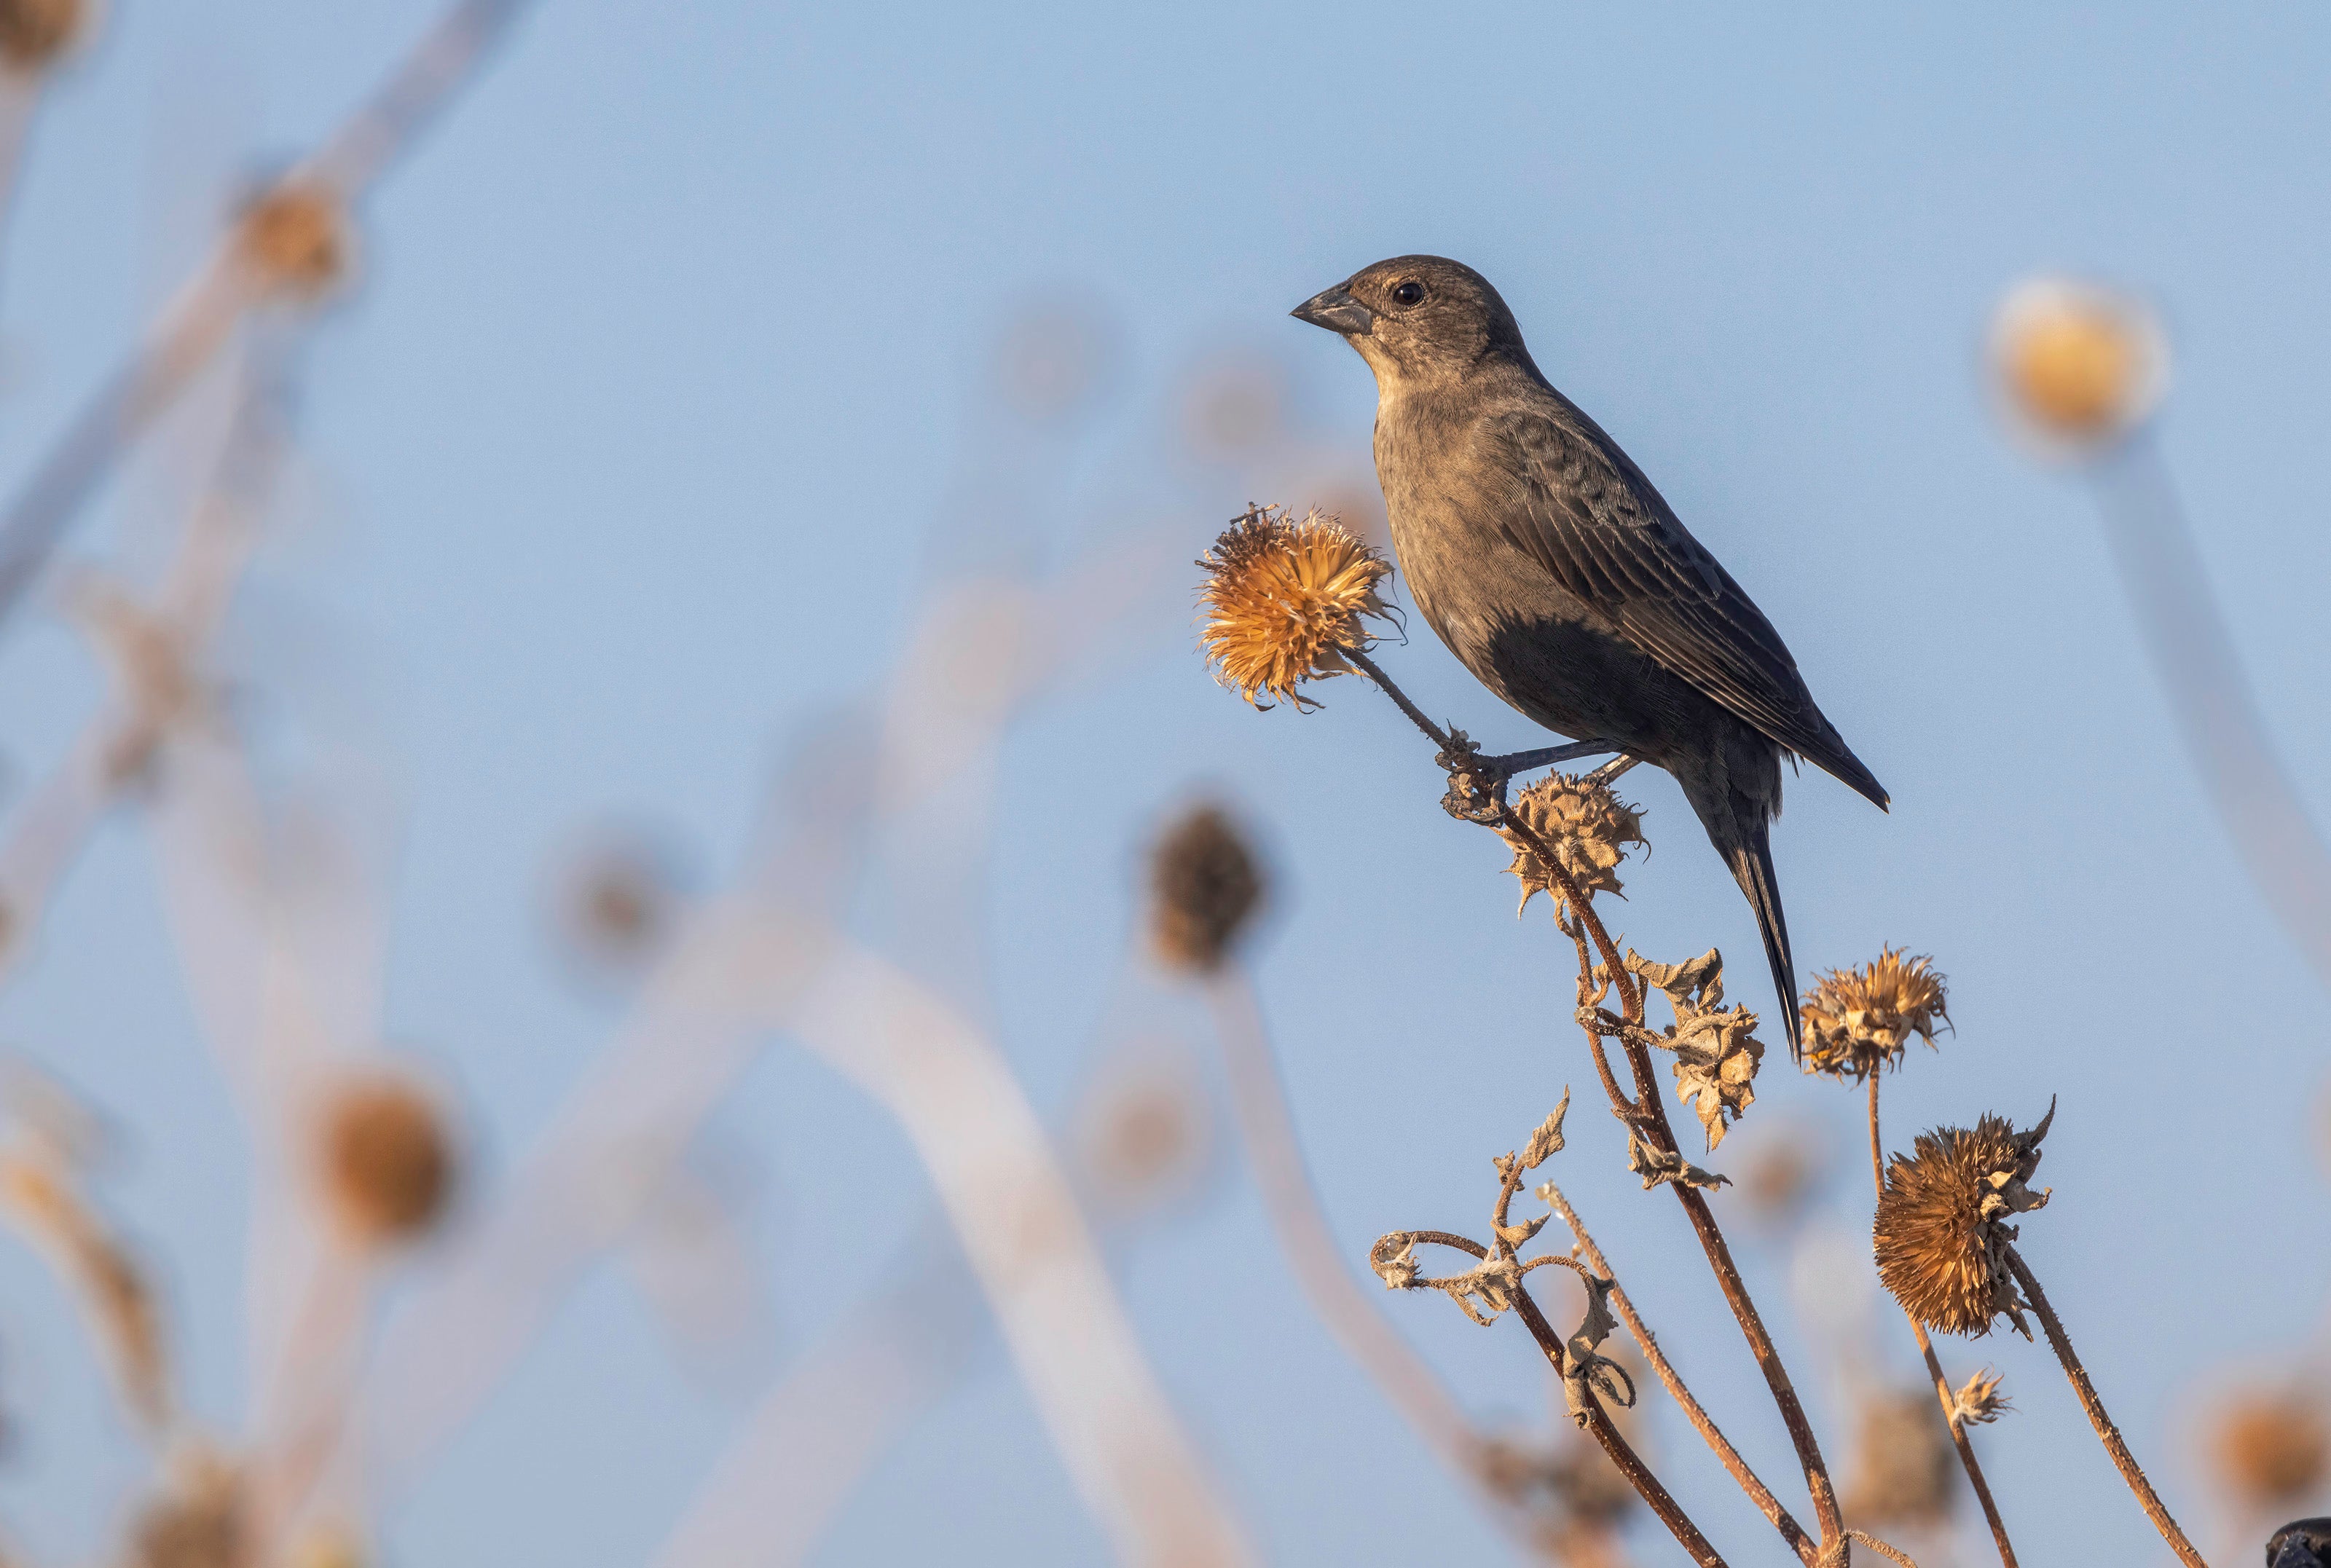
[[1409, 293]]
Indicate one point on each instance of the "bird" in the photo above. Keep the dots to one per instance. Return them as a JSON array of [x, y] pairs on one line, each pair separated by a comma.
[[1544, 558], [2301, 1544]]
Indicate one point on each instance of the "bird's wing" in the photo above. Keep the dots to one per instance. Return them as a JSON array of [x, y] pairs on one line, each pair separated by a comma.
[[1586, 514]]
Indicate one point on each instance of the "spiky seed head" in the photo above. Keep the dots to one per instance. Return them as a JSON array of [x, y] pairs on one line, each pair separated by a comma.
[[1905, 1469], [2272, 1447], [1585, 824], [2079, 366], [1205, 885], [388, 1162], [1284, 599], [1858, 1020], [33, 33], [294, 237], [1941, 1229], [1977, 1402]]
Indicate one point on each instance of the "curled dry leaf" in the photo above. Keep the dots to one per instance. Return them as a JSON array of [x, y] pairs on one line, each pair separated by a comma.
[[1585, 1370], [1656, 1165], [1716, 1050], [1546, 1142]]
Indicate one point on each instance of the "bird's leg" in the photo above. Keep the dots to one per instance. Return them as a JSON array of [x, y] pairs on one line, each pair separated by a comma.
[[1522, 762], [1612, 769]]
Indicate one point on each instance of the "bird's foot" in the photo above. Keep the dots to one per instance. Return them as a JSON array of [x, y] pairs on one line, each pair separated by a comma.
[[1612, 769], [1477, 786]]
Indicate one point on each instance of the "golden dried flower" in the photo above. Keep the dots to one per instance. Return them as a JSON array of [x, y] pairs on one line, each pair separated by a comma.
[[33, 33], [1204, 887], [295, 237], [1942, 1230], [2079, 364], [1977, 1402], [385, 1161], [1586, 826], [1905, 1466], [2272, 1447], [1284, 600], [1858, 1020]]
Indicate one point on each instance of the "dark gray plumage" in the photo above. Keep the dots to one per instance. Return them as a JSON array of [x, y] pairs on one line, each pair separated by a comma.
[[2301, 1544], [1544, 558]]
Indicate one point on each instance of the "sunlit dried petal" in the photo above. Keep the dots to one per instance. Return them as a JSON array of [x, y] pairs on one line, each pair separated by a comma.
[[1282, 598]]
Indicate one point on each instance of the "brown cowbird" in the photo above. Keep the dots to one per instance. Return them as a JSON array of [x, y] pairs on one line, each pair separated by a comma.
[[1547, 562]]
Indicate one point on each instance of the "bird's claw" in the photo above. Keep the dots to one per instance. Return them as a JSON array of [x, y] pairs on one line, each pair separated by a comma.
[[1477, 786]]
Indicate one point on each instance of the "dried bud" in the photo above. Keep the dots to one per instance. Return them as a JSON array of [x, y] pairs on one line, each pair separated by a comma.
[[1284, 600], [1858, 1020], [1905, 1468], [2272, 1447], [1978, 1402], [1942, 1229], [33, 33], [2080, 365], [386, 1162], [294, 237], [1585, 826], [1204, 889]]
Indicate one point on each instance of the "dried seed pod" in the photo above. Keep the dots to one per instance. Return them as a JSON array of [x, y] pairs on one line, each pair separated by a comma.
[[1941, 1229], [2272, 1447], [2079, 366], [294, 237], [1905, 1469], [1205, 887], [1858, 1020], [34, 32], [200, 1518], [1284, 600], [1586, 826], [387, 1161]]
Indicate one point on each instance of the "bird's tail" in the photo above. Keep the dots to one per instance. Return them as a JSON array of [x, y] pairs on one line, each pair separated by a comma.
[[1747, 849]]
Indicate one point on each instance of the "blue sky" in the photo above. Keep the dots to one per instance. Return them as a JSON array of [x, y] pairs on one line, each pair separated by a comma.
[[668, 380]]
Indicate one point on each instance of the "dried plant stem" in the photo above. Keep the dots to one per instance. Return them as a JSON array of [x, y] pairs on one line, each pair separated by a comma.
[[1959, 1438], [2108, 1433], [1803, 1544], [1291, 1200], [1649, 1115]]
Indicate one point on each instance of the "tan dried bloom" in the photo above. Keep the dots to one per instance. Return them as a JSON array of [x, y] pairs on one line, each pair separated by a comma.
[[1905, 1468], [1586, 826], [1204, 889], [2271, 1448], [1716, 1050], [384, 1159], [41, 1198], [1858, 1020], [1284, 599], [33, 33], [1942, 1230], [2079, 366], [1977, 1402], [295, 237]]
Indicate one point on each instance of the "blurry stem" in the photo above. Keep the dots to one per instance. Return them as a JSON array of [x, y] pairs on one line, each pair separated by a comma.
[[1934, 1370], [1803, 1544], [2193, 655], [20, 96], [1267, 1130], [2108, 1433], [1648, 1115]]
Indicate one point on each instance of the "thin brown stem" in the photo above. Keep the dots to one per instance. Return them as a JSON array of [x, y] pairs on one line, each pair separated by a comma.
[[1891, 1553], [1803, 1544], [1959, 1438], [2108, 1433]]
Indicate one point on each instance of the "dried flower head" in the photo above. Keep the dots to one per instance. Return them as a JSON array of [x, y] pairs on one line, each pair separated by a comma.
[[1204, 889], [198, 1519], [1977, 1402], [1905, 1468], [33, 33], [1858, 1020], [386, 1162], [2079, 364], [1284, 600], [2272, 1447], [294, 237], [1586, 826], [1942, 1229]]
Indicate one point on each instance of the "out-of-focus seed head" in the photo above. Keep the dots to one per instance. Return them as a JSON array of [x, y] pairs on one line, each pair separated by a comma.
[[2079, 366], [1142, 1131], [1284, 599], [1780, 1171], [1205, 885], [387, 1161], [1941, 1229], [294, 237], [34, 32], [1234, 407], [2272, 1447], [1905, 1469], [1858, 1020], [1586, 826], [616, 894], [199, 1518]]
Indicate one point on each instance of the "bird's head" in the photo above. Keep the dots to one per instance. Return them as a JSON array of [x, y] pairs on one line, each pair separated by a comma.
[[1416, 319], [2302, 1544]]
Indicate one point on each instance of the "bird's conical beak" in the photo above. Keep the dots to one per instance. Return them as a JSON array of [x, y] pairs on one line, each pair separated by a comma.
[[1336, 310]]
